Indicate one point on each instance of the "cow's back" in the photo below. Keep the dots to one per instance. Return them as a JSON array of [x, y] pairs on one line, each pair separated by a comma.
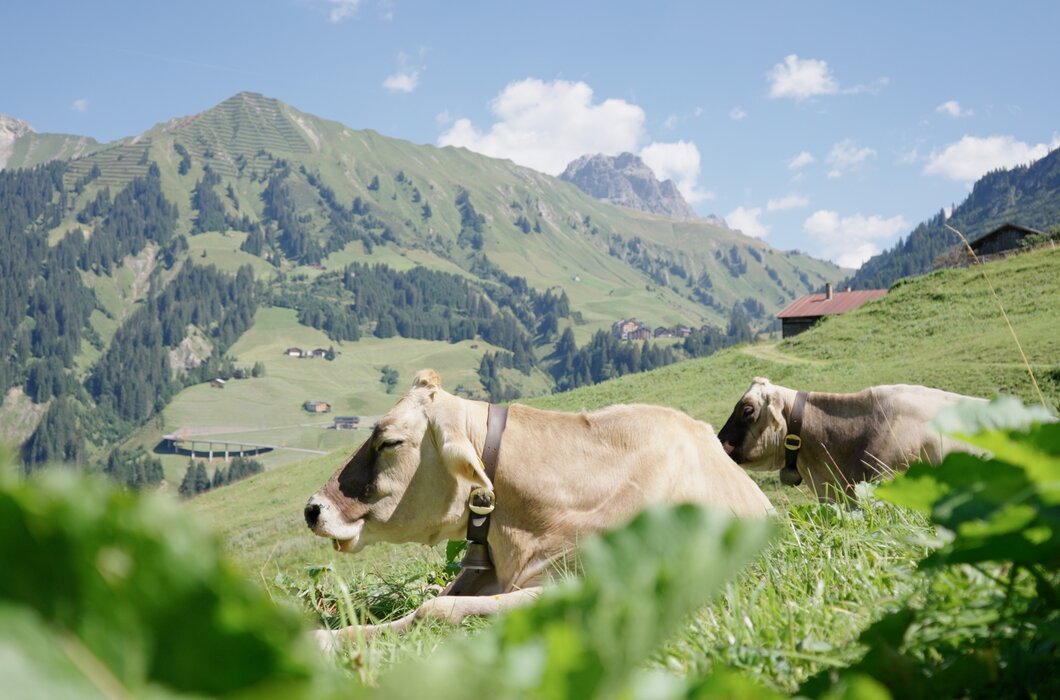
[[628, 456], [902, 424]]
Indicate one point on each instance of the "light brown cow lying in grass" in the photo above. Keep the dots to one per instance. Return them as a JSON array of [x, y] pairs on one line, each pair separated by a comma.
[[845, 438], [559, 476]]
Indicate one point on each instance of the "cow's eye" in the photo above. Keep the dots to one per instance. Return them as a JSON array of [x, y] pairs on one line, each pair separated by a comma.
[[387, 444], [748, 411]]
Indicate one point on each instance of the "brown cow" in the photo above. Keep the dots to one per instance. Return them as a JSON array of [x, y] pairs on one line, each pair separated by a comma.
[[845, 438], [559, 476]]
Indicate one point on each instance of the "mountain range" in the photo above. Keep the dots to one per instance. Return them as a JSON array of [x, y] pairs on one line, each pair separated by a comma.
[[121, 292]]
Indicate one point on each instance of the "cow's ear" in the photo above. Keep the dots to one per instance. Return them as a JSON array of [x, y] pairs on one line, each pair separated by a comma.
[[427, 379], [776, 418], [459, 455]]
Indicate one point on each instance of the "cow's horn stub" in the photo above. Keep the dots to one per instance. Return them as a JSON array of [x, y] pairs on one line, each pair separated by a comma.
[[427, 378]]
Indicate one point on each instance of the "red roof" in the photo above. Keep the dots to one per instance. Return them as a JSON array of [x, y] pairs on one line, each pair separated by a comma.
[[814, 305]]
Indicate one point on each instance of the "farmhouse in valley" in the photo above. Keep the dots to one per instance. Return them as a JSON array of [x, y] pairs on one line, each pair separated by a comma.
[[632, 329], [806, 311], [347, 422], [317, 406]]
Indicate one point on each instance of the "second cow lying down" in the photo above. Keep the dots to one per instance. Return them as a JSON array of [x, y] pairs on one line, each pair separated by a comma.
[[559, 477], [843, 438]]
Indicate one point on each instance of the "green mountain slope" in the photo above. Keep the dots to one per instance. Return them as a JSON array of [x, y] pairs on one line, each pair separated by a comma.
[[613, 263], [431, 252], [1028, 195]]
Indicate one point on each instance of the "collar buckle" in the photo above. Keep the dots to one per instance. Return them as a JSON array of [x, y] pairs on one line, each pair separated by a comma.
[[481, 501]]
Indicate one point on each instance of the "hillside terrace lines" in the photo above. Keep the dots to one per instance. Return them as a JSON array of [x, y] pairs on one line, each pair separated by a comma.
[[118, 164], [247, 123]]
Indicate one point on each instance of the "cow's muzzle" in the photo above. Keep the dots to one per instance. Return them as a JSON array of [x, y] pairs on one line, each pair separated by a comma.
[[312, 514], [326, 521]]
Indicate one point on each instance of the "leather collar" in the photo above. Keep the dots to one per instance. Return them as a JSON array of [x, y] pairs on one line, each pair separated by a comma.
[[793, 442], [482, 500]]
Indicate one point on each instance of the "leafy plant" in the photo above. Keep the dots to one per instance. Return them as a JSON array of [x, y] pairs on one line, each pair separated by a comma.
[[999, 515], [109, 593]]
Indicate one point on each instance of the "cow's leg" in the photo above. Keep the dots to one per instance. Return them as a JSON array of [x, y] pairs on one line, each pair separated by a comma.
[[450, 609]]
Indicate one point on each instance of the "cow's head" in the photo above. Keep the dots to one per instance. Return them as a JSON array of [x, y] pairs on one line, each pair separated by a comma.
[[754, 434], [409, 481]]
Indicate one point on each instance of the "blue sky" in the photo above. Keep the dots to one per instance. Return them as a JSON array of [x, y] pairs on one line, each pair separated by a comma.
[[830, 127]]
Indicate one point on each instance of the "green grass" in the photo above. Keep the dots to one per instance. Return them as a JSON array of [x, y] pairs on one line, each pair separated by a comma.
[[222, 251]]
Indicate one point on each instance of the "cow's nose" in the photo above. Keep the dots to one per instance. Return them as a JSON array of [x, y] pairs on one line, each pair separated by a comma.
[[312, 514]]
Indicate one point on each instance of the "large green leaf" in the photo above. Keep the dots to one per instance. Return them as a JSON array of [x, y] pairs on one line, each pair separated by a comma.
[[1005, 507], [140, 593], [1003, 413], [588, 638]]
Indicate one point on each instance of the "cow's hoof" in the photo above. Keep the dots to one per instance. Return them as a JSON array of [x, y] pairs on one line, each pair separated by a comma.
[[790, 476]]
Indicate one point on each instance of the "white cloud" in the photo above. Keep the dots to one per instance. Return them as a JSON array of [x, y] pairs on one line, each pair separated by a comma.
[[547, 125], [792, 201], [800, 161], [678, 162], [746, 220], [801, 79], [907, 157], [407, 77], [972, 157], [386, 10], [342, 10], [845, 156], [737, 113], [80, 105], [851, 240], [402, 81], [953, 108]]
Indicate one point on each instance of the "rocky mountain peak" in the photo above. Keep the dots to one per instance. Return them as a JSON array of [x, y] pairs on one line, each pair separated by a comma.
[[626, 180], [11, 129]]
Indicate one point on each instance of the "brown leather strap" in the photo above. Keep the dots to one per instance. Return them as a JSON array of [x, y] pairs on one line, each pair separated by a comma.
[[495, 422], [478, 525], [793, 442]]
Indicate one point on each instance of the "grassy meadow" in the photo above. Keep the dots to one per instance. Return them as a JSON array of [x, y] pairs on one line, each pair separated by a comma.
[[827, 574]]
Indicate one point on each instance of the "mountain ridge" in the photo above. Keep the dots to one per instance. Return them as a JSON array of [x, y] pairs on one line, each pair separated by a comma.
[[21, 146]]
